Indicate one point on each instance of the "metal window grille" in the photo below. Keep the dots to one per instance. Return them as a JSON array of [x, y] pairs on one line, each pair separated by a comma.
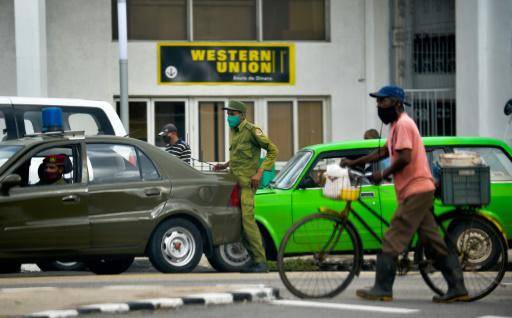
[[433, 110]]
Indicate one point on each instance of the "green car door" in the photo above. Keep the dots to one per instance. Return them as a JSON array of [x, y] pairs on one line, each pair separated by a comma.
[[307, 198]]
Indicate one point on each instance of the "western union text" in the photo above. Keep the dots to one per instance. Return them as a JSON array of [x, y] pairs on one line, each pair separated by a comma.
[[236, 61]]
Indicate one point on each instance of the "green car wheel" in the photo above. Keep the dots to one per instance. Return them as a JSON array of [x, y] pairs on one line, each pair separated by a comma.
[[229, 257]]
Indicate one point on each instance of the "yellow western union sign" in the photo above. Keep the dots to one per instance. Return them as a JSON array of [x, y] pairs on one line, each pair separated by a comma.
[[226, 63]]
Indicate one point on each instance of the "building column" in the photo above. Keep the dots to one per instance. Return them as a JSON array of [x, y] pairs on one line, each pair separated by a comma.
[[30, 33], [484, 66]]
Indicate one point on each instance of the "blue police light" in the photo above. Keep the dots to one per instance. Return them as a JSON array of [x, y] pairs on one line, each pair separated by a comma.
[[52, 119]]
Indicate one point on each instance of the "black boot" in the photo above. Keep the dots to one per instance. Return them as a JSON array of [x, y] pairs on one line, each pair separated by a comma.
[[255, 268], [384, 279], [452, 273]]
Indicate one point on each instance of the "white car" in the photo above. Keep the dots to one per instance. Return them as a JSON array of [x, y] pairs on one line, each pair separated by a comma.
[[20, 116]]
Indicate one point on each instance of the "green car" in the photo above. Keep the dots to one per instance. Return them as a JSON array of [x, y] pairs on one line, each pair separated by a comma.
[[118, 198], [296, 192]]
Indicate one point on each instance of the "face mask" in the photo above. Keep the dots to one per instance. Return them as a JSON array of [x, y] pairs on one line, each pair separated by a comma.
[[51, 176], [387, 115], [233, 121], [166, 139]]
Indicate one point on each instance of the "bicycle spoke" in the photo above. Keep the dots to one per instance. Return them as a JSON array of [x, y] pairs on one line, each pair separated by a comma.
[[318, 257]]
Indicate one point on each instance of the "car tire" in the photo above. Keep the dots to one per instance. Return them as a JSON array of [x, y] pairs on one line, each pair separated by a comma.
[[483, 237], [176, 246], [229, 257], [10, 268], [110, 265], [49, 266]]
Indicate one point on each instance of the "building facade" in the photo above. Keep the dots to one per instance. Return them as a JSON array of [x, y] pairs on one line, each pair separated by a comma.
[[454, 58]]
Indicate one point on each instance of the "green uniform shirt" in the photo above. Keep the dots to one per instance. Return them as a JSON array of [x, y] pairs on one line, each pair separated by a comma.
[[247, 140]]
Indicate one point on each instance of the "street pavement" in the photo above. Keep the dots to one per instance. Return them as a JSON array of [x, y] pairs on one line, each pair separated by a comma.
[[33, 291]]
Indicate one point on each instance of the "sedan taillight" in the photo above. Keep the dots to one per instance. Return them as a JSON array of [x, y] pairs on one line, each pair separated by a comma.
[[234, 200]]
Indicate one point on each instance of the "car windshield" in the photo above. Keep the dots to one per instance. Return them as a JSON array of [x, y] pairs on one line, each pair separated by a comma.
[[7, 152], [291, 171]]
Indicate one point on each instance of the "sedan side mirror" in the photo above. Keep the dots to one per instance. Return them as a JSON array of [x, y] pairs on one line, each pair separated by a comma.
[[10, 181]]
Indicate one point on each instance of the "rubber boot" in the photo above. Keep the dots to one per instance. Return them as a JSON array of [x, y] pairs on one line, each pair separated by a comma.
[[256, 268], [384, 279], [452, 273]]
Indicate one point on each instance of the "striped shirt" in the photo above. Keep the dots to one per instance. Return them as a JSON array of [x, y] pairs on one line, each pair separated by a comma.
[[180, 150]]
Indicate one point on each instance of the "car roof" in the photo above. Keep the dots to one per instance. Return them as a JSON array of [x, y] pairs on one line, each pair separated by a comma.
[[46, 101], [427, 141], [42, 138]]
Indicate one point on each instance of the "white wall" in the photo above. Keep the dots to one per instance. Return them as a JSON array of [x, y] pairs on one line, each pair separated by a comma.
[[484, 66], [83, 62], [7, 49]]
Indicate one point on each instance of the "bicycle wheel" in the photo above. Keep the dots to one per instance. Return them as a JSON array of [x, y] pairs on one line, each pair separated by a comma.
[[319, 256], [482, 255]]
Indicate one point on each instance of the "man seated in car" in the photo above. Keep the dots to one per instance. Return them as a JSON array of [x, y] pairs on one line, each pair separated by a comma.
[[52, 169]]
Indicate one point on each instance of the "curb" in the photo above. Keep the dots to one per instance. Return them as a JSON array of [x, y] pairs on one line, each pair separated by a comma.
[[261, 294]]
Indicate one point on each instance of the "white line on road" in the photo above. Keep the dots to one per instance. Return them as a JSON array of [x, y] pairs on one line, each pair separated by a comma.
[[26, 289], [55, 314], [299, 303], [494, 317]]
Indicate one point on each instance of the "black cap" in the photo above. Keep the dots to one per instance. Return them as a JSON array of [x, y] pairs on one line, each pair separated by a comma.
[[167, 129]]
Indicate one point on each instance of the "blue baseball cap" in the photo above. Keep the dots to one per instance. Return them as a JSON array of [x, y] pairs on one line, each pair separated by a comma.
[[391, 91]]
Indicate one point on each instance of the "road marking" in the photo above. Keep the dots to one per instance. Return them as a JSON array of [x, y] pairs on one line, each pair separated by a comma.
[[213, 298], [390, 310], [26, 289], [163, 302], [55, 314], [494, 317], [110, 308]]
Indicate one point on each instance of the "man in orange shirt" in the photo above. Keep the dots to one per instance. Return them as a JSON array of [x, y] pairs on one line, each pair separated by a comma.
[[415, 188]]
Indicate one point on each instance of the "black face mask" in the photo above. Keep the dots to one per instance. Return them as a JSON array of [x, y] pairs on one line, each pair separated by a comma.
[[387, 115], [166, 139]]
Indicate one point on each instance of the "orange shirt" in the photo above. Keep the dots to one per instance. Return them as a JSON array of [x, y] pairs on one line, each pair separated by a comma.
[[416, 176]]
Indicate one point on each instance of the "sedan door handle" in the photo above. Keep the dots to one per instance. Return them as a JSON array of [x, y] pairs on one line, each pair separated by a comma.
[[152, 192], [367, 195], [70, 198]]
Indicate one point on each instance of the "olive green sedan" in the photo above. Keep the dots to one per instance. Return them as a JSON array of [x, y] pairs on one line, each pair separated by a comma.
[[115, 198]]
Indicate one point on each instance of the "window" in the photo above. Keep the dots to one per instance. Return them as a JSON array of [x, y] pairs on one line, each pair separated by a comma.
[[295, 124], [211, 131], [153, 19], [291, 171], [83, 122], [7, 152], [169, 112], [111, 163], [73, 118], [137, 118], [52, 166], [498, 162], [310, 123], [294, 20], [280, 128], [3, 126], [148, 169], [224, 19], [303, 20]]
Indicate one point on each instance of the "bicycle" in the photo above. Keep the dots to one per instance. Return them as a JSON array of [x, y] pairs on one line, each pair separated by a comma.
[[334, 252]]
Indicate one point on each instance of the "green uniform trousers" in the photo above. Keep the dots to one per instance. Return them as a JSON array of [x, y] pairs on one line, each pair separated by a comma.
[[251, 237]]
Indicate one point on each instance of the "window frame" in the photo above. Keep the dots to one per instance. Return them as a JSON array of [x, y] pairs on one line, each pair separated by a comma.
[[259, 20]]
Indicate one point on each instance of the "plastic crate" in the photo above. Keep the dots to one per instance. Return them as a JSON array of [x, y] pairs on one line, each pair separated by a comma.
[[465, 185]]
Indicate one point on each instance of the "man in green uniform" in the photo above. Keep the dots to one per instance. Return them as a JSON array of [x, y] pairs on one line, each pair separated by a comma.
[[52, 170], [247, 140]]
